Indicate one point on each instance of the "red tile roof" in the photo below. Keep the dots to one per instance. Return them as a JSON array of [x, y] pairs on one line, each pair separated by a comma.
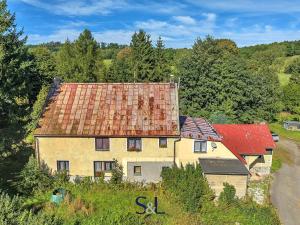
[[111, 109], [246, 139], [197, 128]]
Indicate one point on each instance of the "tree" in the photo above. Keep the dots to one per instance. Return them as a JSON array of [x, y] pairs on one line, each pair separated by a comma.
[[162, 69], [227, 196], [80, 61], [216, 79], [143, 62], [18, 78], [120, 70], [45, 63], [33, 177]]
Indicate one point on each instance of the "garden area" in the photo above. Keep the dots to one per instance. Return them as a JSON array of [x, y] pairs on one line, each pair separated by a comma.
[[183, 196]]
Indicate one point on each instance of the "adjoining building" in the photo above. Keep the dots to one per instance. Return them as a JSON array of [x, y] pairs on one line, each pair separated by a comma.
[[292, 125], [84, 128], [252, 143]]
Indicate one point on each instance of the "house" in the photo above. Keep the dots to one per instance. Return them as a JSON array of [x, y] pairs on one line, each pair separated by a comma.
[[84, 128], [252, 144], [200, 143], [292, 125]]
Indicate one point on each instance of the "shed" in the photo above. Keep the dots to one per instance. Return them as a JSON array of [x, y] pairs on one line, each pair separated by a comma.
[[292, 125], [219, 171]]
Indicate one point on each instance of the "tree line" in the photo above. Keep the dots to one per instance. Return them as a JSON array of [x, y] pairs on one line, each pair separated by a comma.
[[217, 80]]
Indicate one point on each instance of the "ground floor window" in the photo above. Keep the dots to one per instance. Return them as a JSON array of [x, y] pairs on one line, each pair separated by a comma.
[[137, 170], [103, 166], [63, 165]]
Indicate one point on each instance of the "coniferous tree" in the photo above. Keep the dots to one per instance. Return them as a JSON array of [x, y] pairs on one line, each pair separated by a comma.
[[142, 57], [162, 69], [18, 78], [80, 61]]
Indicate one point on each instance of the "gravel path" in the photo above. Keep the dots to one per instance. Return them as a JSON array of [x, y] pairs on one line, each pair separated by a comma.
[[285, 190]]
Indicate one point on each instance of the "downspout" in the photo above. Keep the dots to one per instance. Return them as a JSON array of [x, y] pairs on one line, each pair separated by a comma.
[[174, 159], [37, 150]]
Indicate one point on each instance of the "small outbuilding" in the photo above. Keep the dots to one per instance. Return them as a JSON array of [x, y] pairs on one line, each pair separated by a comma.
[[219, 171], [292, 125]]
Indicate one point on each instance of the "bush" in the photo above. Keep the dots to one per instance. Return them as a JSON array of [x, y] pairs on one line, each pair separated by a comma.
[[33, 177], [12, 213], [117, 174], [188, 185], [227, 196]]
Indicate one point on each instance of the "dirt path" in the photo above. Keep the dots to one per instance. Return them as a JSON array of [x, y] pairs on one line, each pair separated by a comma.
[[285, 190]]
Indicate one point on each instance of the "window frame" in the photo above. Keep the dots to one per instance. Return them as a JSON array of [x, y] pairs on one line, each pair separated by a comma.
[[103, 166], [134, 171], [159, 142], [200, 151], [63, 161], [135, 141], [102, 149]]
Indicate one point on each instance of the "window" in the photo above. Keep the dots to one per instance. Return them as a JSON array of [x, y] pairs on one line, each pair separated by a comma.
[[137, 170], [63, 166], [103, 166], [163, 142], [200, 146], [134, 144], [102, 144]]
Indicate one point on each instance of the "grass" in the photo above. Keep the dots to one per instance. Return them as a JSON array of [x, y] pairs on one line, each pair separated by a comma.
[[278, 128], [284, 78], [100, 204]]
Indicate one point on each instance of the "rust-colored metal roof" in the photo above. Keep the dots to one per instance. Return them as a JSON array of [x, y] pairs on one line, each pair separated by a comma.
[[111, 109]]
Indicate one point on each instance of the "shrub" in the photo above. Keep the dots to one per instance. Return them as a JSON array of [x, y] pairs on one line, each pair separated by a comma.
[[33, 177], [188, 185], [117, 174], [227, 196]]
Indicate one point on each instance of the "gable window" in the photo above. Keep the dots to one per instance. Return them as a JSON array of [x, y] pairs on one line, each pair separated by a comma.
[[163, 142], [134, 144], [102, 144], [200, 146], [63, 166], [103, 166], [137, 170]]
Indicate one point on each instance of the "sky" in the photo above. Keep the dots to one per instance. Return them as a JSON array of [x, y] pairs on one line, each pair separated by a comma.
[[179, 23]]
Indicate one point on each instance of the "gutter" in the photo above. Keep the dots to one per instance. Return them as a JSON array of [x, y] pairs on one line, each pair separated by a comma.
[[177, 140]]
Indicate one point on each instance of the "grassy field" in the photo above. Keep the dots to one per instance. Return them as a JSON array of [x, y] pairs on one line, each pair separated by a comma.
[[278, 128], [280, 155], [102, 205]]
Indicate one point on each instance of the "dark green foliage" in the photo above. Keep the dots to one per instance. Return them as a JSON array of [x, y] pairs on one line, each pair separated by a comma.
[[12, 213], [37, 110], [116, 174], [188, 185], [291, 96], [217, 79], [143, 62], [18, 78], [120, 70], [162, 70], [227, 196], [80, 61], [33, 177], [45, 63], [294, 68]]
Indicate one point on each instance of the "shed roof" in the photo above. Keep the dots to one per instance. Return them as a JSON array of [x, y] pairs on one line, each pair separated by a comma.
[[111, 109], [197, 128], [246, 139], [223, 166]]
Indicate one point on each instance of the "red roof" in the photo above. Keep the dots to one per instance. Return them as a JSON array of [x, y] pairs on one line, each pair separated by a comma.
[[111, 109], [246, 139]]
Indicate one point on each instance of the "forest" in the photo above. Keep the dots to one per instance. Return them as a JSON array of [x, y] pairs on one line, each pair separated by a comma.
[[217, 80]]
